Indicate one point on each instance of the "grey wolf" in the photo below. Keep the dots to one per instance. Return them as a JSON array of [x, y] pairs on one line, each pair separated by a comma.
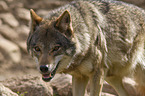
[[93, 41]]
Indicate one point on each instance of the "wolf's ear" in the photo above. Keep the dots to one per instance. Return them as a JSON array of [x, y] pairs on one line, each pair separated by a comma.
[[35, 19], [64, 24]]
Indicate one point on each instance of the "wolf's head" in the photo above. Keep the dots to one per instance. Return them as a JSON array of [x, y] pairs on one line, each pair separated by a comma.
[[50, 41]]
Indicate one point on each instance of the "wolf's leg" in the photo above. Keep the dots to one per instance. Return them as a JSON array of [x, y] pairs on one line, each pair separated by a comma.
[[79, 85], [116, 83], [96, 82], [139, 77]]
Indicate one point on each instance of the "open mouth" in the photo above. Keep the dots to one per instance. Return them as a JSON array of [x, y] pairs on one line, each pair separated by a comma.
[[47, 77]]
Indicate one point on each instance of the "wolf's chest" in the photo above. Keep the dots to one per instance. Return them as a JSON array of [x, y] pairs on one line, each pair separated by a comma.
[[84, 68]]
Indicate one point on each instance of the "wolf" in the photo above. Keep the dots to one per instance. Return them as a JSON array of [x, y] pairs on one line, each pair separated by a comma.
[[94, 41]]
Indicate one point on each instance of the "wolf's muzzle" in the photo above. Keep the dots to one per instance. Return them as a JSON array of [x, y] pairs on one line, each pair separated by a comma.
[[48, 74]]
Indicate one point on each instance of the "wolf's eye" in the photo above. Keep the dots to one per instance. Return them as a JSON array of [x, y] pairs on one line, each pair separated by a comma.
[[56, 48], [37, 49]]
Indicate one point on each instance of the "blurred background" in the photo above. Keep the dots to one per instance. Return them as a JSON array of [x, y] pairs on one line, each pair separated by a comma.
[[14, 29]]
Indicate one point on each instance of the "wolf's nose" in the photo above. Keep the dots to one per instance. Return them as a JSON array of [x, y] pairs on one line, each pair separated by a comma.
[[43, 68]]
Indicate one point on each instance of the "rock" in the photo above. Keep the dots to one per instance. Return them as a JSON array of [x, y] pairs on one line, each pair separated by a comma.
[[42, 13], [9, 1], [1, 57], [44, 4], [61, 85], [23, 13], [23, 30], [0, 22], [4, 91], [9, 19], [142, 6], [11, 50], [23, 46], [3, 6], [29, 86], [8, 32], [14, 5]]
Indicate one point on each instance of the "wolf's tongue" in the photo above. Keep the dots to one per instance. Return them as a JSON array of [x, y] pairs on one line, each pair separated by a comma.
[[46, 75]]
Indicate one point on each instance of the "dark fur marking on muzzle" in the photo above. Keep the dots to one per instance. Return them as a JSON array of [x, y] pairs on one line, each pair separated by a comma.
[[52, 73]]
